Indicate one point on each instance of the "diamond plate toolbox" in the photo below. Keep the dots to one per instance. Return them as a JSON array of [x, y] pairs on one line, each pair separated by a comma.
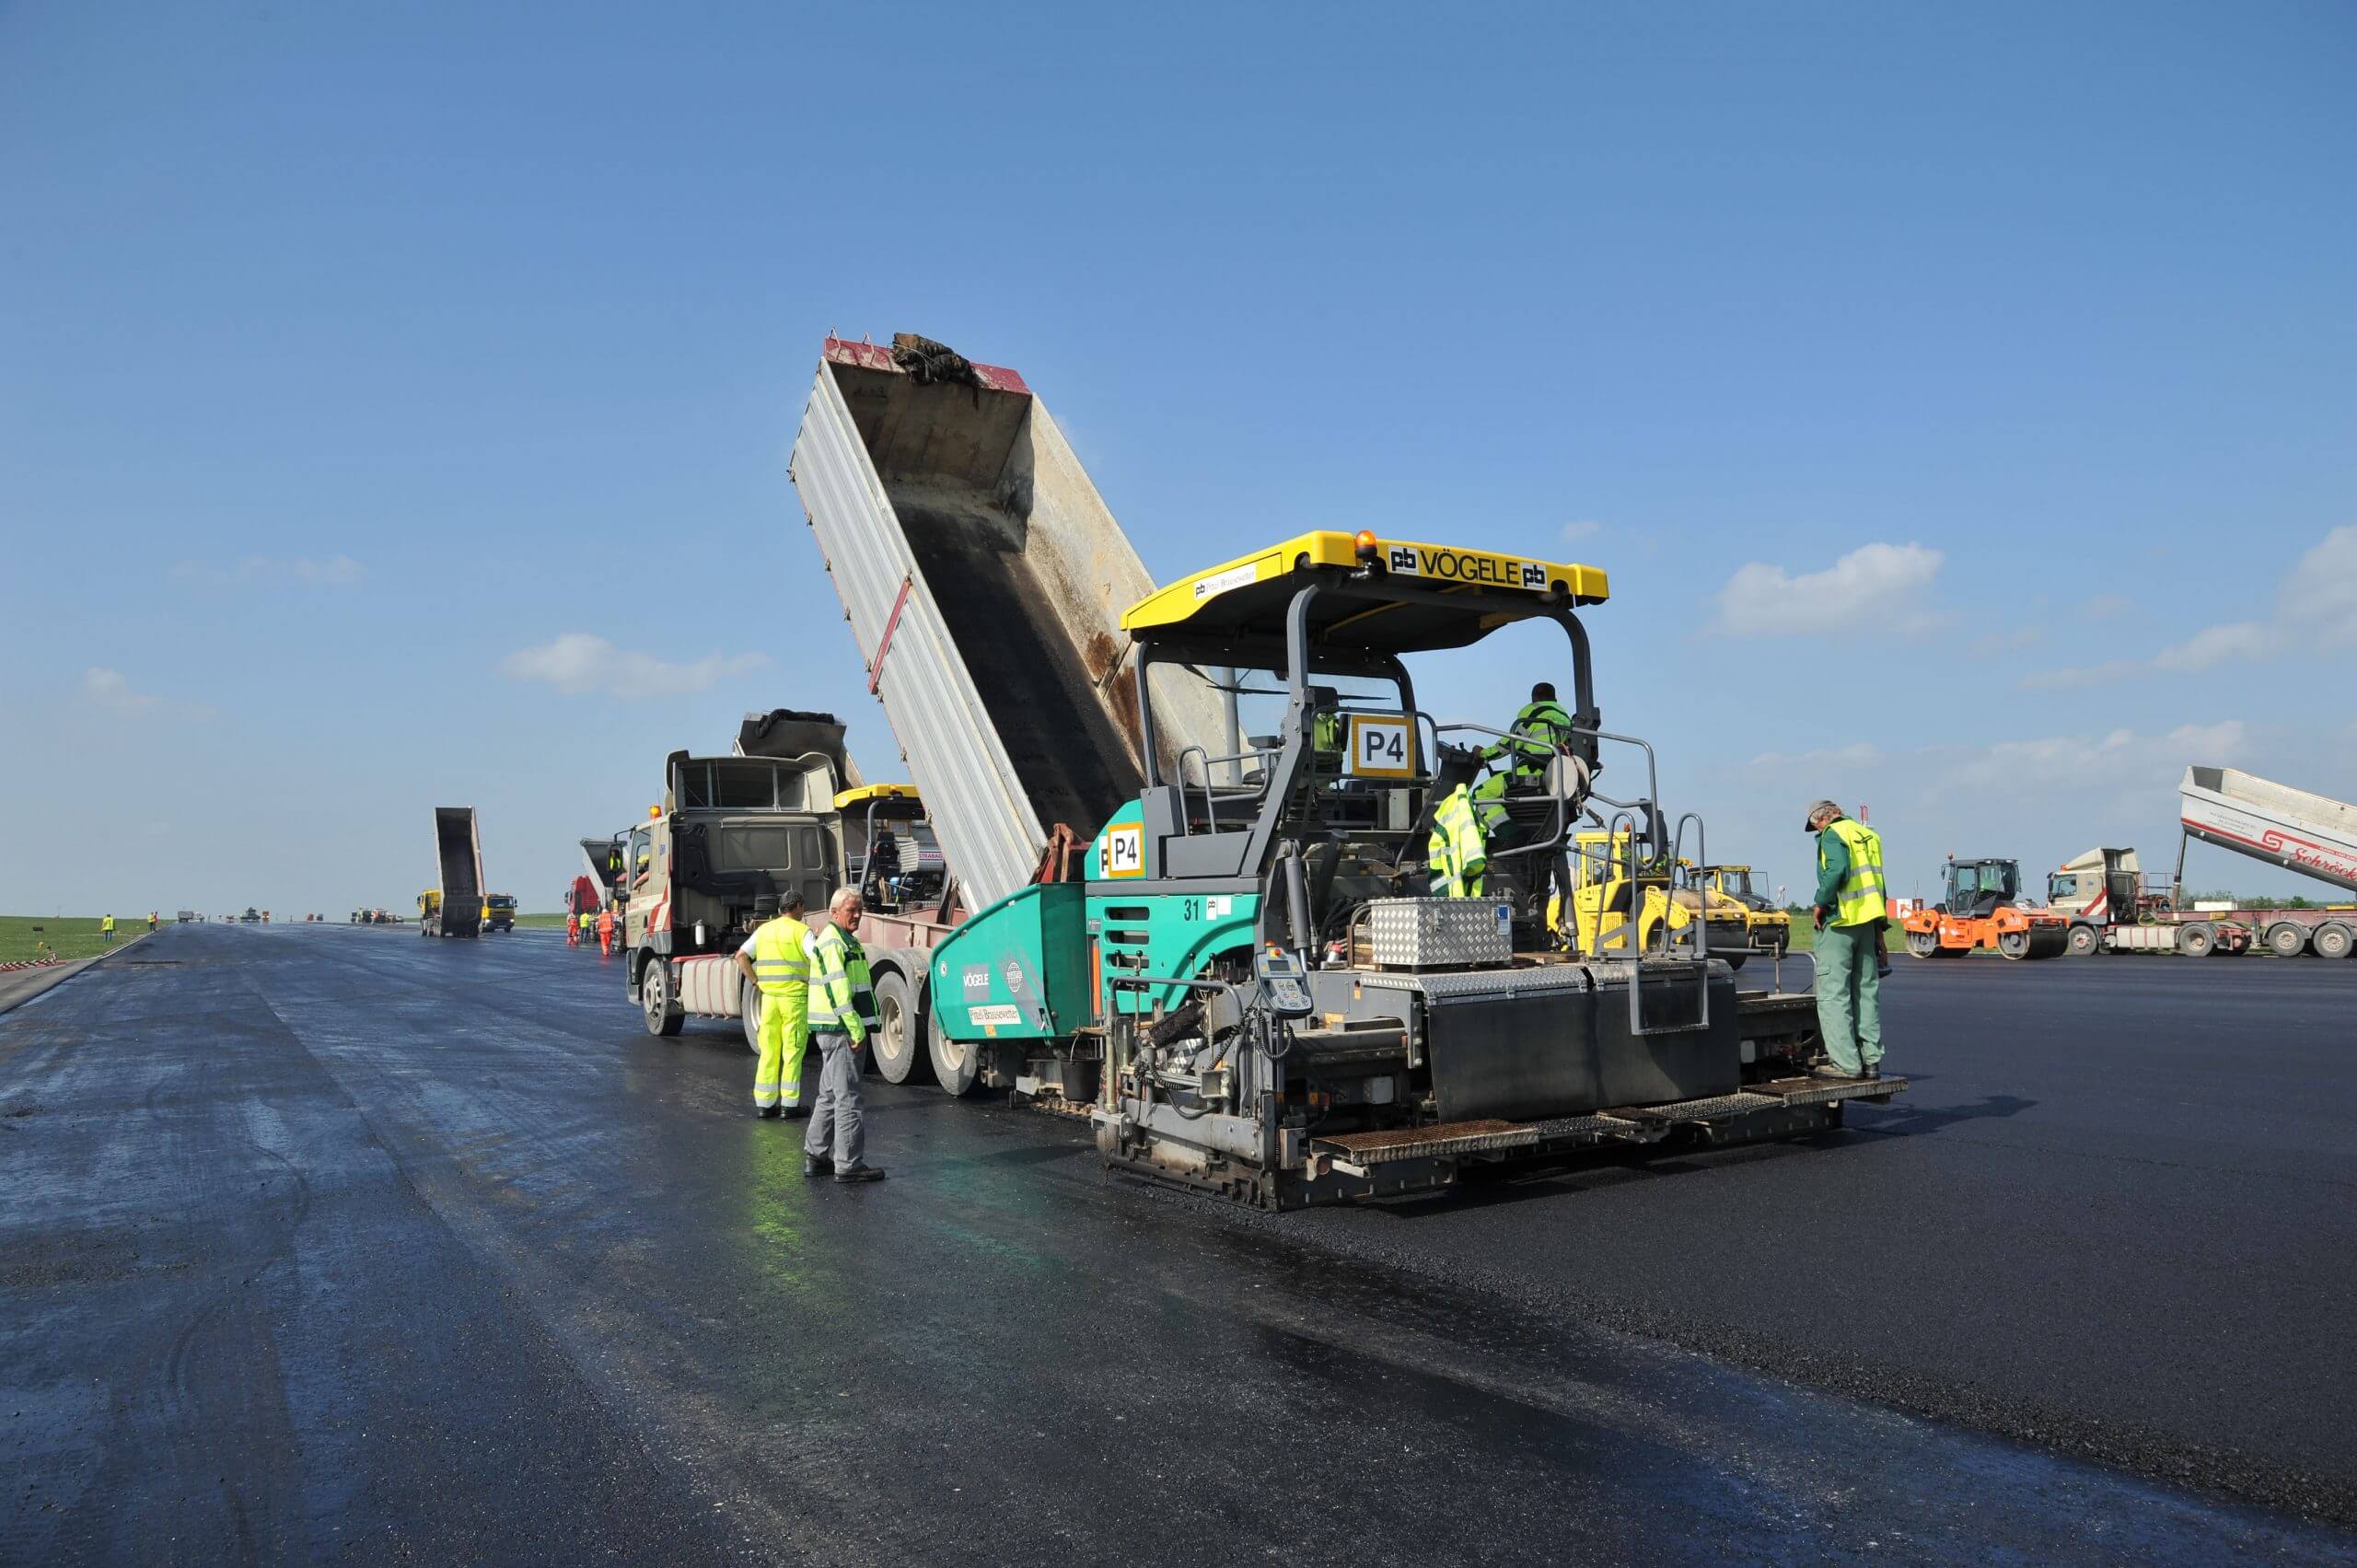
[[1437, 934]]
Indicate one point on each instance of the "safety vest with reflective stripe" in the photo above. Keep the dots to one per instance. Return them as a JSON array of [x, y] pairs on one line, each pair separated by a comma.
[[840, 996], [1457, 854], [1539, 731], [780, 967], [1860, 893]]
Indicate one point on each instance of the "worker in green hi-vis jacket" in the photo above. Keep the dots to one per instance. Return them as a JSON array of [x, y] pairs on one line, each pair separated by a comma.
[[1851, 910]]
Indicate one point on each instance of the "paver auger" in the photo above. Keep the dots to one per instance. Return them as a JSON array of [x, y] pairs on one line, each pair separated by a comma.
[[1249, 991]]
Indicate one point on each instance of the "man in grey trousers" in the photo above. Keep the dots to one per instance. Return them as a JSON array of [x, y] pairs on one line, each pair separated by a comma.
[[843, 1012]]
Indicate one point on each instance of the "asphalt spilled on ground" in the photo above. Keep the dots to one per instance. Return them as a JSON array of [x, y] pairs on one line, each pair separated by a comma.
[[337, 1243]]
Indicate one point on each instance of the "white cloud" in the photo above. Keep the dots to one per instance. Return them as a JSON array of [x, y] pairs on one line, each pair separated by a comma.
[[1580, 528], [2321, 593], [1997, 642], [2118, 759], [2214, 645], [1874, 588], [109, 691], [2315, 606], [1857, 754], [2103, 607], [580, 661], [336, 570]]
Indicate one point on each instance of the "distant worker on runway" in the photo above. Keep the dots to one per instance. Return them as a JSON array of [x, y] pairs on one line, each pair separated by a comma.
[[778, 959], [843, 1012], [151, 922], [106, 930], [606, 932], [1851, 912]]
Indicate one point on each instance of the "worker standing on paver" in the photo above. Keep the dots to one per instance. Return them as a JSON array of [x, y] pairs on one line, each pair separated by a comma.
[[1540, 730], [106, 930], [1850, 910], [1457, 854], [843, 1011], [778, 959]]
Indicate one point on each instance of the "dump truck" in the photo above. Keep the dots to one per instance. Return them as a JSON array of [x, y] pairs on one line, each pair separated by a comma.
[[728, 830], [456, 899], [1196, 920], [2114, 908]]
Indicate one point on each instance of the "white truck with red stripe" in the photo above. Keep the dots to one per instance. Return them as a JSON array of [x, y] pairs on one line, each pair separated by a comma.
[[2113, 908]]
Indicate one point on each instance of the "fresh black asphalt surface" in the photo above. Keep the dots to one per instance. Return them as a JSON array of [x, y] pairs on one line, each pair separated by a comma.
[[334, 1244]]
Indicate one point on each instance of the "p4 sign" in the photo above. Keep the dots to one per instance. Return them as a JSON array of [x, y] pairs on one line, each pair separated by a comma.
[[1125, 851], [1382, 746]]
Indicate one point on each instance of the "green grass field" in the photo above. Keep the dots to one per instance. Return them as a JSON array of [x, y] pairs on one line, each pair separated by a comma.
[[74, 937], [1804, 936], [554, 921]]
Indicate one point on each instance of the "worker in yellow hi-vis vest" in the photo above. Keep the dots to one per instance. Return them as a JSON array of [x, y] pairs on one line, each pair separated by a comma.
[[777, 960], [1852, 910], [842, 1016], [106, 930]]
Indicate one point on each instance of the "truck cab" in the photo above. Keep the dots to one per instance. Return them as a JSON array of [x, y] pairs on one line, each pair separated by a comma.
[[499, 912], [728, 830]]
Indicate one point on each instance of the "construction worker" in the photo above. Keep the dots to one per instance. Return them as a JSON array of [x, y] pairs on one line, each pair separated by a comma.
[[843, 1012], [777, 958], [151, 922], [1540, 730], [106, 930], [1457, 854], [1850, 910], [606, 932]]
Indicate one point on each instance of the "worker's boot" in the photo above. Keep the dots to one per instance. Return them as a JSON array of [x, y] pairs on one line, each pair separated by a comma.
[[766, 1112], [859, 1173], [817, 1165], [796, 1113]]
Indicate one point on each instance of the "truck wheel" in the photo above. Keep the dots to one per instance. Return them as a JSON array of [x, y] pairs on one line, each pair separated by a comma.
[[2084, 939], [2286, 940], [2197, 940], [663, 1015], [900, 1029], [2013, 944], [955, 1062], [2334, 941], [750, 1008], [1923, 944]]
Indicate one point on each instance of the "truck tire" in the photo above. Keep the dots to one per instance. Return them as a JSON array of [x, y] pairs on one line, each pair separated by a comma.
[[2084, 939], [2287, 939], [2334, 941], [956, 1063], [2197, 940], [749, 1011], [902, 1053], [663, 1015]]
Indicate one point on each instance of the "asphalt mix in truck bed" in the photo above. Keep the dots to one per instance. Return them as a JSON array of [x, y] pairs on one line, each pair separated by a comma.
[[333, 1243]]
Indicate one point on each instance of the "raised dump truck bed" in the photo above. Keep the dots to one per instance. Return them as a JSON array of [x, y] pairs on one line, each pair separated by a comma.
[[458, 860], [2301, 832], [984, 581]]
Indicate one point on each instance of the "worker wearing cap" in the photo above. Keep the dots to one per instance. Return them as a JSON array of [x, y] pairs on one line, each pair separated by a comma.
[[842, 1014], [777, 958], [1851, 911], [1540, 730]]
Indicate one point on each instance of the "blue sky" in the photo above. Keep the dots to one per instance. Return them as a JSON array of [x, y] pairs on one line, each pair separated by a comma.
[[1964, 401]]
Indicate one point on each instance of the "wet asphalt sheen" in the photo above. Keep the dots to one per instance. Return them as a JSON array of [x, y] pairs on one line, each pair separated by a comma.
[[338, 1245]]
